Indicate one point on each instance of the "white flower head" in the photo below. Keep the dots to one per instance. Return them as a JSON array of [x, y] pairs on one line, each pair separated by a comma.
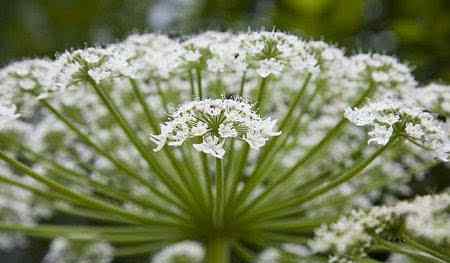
[[214, 121], [63, 251], [187, 251], [402, 117], [8, 114]]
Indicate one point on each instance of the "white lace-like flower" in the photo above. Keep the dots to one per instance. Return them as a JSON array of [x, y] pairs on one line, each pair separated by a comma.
[[8, 114], [29, 75], [269, 67], [186, 251], [62, 251], [435, 97], [99, 64], [384, 70], [351, 235], [404, 117], [215, 121]]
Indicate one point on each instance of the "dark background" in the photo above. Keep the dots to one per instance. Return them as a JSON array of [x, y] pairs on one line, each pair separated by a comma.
[[417, 31]]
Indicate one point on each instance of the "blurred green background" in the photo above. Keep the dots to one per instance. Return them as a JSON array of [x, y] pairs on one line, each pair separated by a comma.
[[416, 31]]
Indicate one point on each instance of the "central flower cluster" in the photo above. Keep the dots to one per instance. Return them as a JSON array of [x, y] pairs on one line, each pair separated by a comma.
[[214, 121]]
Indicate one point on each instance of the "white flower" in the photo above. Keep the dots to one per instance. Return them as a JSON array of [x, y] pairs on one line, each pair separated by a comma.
[[62, 251], [192, 56], [186, 251], [269, 67], [425, 216], [214, 121], [414, 130], [7, 115], [360, 117], [226, 130], [211, 145], [395, 115], [380, 134], [269, 255]]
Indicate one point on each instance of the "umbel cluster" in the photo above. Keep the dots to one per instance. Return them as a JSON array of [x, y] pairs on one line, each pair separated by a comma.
[[222, 147]]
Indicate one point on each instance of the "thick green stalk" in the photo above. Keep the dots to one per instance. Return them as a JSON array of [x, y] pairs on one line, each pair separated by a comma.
[[218, 250]]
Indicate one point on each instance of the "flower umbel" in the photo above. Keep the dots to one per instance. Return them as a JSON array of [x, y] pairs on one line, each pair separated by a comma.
[[213, 122]]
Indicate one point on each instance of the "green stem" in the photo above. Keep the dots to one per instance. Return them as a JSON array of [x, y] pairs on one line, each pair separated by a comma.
[[357, 169], [192, 186], [143, 249], [167, 179], [82, 199], [199, 83], [242, 86], [259, 172], [423, 247], [218, 251], [191, 84], [120, 165], [318, 148], [219, 191], [261, 95], [401, 249]]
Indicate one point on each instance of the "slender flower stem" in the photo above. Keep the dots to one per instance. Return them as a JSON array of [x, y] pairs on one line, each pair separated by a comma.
[[81, 199], [318, 148], [402, 249], [220, 184], [258, 172], [423, 247], [193, 186], [88, 233], [85, 180], [242, 86], [122, 166], [261, 95], [357, 169], [165, 178], [198, 74], [191, 84], [141, 249], [209, 185], [244, 253]]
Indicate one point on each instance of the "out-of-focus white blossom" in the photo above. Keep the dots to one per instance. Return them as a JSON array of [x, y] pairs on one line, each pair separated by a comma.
[[8, 114], [63, 251], [352, 235], [186, 251]]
